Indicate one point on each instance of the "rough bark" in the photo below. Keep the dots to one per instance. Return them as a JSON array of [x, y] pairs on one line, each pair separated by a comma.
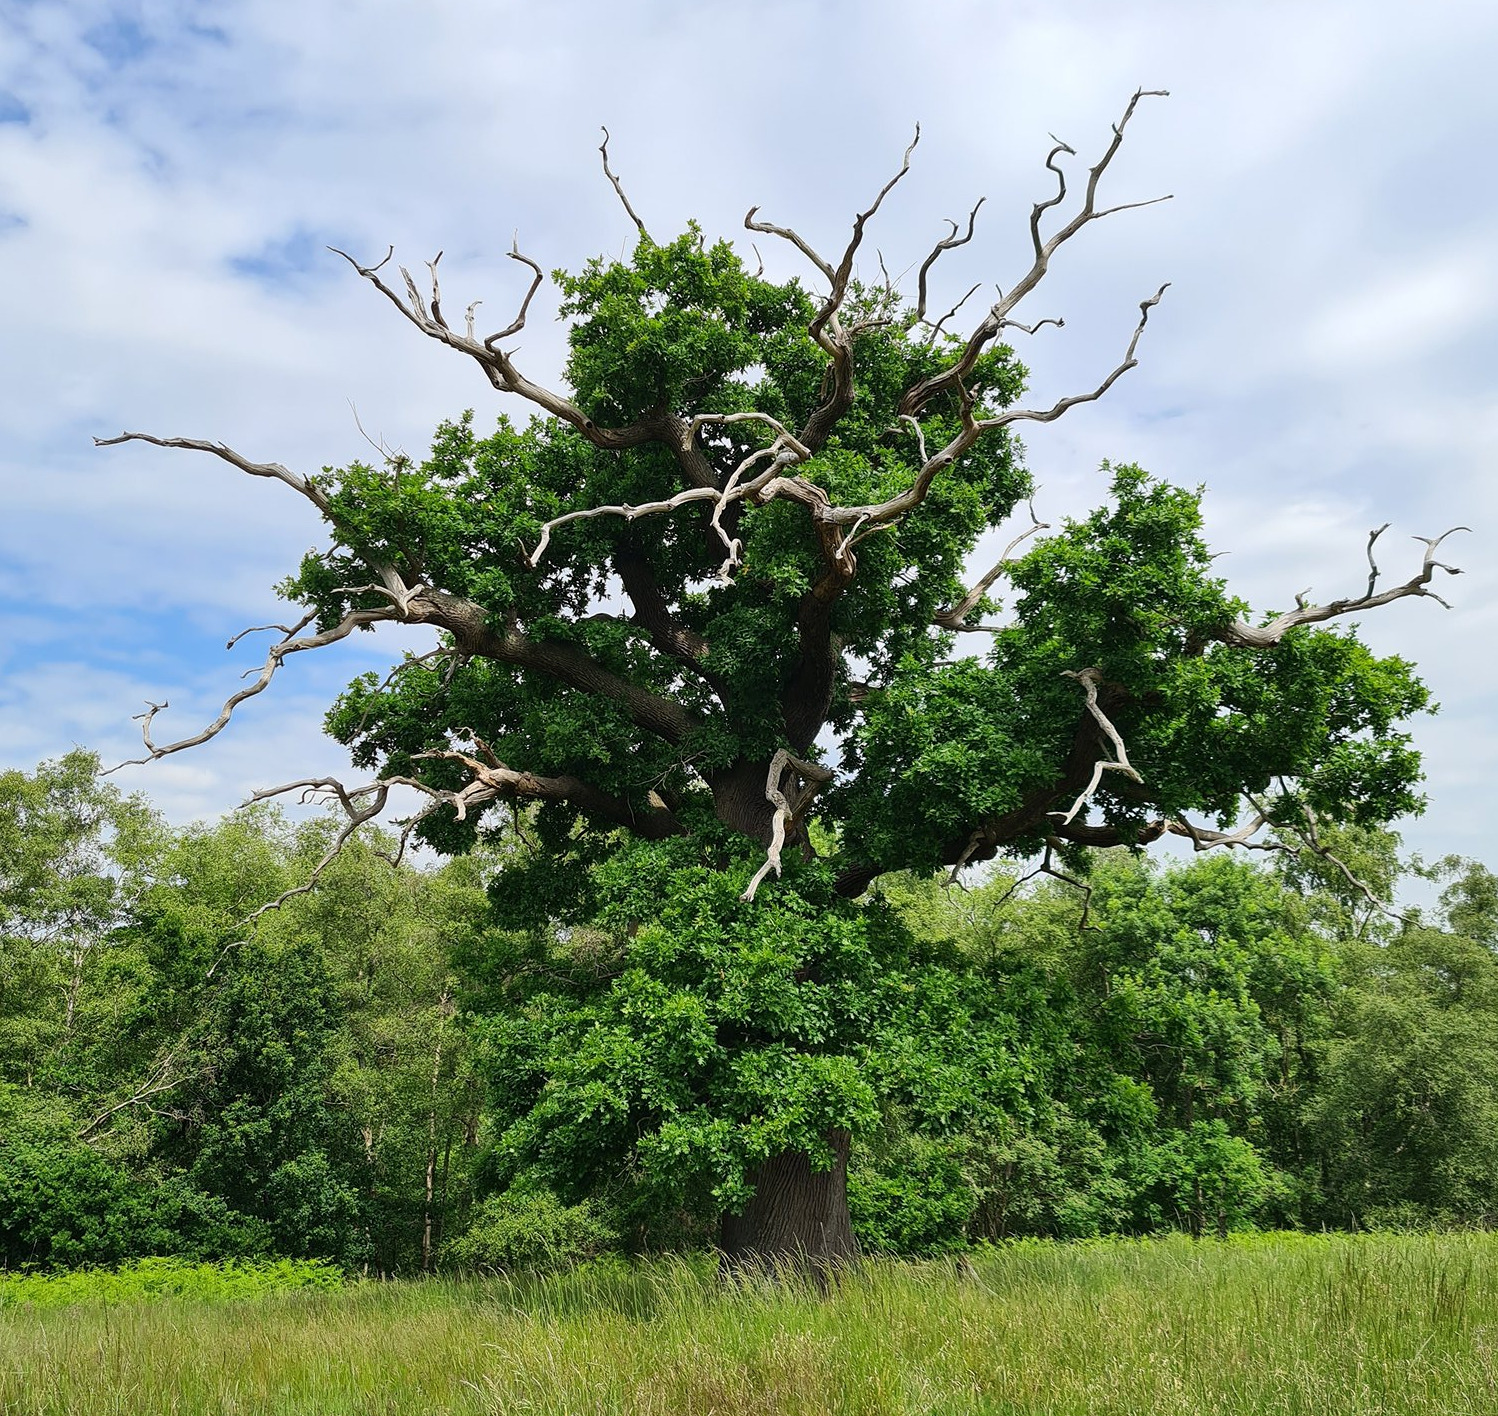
[[798, 1217]]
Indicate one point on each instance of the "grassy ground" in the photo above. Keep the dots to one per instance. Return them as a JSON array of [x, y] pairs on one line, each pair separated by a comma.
[[1305, 1325]]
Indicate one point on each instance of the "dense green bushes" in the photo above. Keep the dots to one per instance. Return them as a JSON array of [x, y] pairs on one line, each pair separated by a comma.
[[402, 1068]]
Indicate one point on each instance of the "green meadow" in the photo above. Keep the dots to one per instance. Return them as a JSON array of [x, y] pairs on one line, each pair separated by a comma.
[[1309, 1325]]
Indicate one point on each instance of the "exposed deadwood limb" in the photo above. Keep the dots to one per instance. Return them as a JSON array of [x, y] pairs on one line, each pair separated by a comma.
[[373, 797], [355, 619], [305, 485], [1045, 249], [953, 616], [627, 512], [518, 323], [782, 433], [286, 629], [948, 243], [1265, 636], [1089, 679], [1049, 415], [825, 327], [159, 1080], [603, 149], [887, 511], [498, 366], [807, 779]]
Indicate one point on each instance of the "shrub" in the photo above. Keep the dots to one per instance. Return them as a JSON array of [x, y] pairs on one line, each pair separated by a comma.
[[530, 1232]]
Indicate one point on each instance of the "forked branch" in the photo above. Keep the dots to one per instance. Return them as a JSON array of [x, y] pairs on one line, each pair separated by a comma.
[[1265, 636], [1089, 679], [292, 644], [952, 378]]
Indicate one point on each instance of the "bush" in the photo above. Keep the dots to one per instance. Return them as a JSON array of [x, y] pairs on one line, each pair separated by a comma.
[[532, 1232]]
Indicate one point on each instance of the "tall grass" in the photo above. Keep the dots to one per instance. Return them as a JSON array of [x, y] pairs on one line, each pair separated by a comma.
[[1305, 1325]]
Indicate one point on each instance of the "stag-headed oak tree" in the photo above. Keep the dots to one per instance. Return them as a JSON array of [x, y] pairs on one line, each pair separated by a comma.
[[704, 637]]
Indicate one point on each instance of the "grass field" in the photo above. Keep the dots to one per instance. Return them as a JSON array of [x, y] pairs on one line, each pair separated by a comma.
[[1289, 1324]]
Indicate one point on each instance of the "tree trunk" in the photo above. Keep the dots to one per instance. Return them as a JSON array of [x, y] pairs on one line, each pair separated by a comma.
[[798, 1216]]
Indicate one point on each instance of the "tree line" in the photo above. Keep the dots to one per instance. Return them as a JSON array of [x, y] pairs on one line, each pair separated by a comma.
[[409, 1068]]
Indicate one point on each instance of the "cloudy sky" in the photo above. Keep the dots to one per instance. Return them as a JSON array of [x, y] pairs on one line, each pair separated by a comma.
[[170, 172]]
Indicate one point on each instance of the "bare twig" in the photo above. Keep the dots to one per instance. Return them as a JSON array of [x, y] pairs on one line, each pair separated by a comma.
[[608, 172]]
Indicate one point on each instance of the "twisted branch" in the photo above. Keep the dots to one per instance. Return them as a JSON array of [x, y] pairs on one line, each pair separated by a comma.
[[807, 779], [355, 619], [1089, 679], [608, 172], [952, 378]]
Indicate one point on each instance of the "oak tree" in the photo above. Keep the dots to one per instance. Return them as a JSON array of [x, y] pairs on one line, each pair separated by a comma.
[[703, 634]]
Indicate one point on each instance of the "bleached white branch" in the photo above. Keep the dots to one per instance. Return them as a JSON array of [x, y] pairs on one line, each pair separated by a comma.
[[1089, 679], [807, 779], [953, 616], [1265, 636], [298, 483], [273, 660]]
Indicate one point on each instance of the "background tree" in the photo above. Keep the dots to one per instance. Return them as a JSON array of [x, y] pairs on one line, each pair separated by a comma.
[[712, 594]]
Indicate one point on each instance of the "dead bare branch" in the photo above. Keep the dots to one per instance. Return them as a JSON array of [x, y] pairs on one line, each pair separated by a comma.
[[279, 651], [1049, 415], [807, 779], [1089, 679], [1265, 636], [305, 485], [949, 243], [288, 630], [953, 376], [954, 616], [608, 172]]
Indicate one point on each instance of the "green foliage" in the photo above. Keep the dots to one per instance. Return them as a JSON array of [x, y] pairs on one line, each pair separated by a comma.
[[148, 1279], [658, 1058], [529, 1232]]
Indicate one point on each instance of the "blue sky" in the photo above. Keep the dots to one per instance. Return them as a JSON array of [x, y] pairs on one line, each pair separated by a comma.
[[1326, 359]]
